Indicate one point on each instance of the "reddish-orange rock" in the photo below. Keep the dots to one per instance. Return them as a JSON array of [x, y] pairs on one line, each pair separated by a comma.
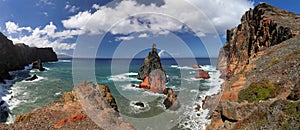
[[202, 74], [72, 119], [145, 84]]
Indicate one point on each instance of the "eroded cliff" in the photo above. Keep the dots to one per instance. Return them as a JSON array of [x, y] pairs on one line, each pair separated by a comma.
[[260, 62]]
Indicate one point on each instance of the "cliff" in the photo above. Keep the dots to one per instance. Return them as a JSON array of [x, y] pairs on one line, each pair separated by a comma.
[[260, 62], [15, 57]]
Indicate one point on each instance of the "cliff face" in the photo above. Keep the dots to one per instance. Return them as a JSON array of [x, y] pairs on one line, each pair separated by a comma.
[[260, 62], [15, 57]]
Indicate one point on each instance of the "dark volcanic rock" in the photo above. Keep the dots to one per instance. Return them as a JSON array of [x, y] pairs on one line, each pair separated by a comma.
[[31, 78], [38, 65], [15, 57], [151, 63], [140, 104]]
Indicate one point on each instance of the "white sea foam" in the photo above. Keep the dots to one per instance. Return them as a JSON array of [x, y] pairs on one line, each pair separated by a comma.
[[64, 60], [130, 87], [124, 77], [138, 109], [196, 120]]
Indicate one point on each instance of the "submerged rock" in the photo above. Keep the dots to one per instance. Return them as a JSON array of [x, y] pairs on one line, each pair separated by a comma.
[[140, 104]]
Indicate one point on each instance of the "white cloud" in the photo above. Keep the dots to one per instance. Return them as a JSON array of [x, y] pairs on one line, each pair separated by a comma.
[[129, 17], [124, 38], [43, 37], [143, 35], [96, 6], [45, 13], [12, 27], [71, 9]]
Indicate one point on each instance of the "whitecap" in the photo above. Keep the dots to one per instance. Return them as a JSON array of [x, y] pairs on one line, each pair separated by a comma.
[[124, 77]]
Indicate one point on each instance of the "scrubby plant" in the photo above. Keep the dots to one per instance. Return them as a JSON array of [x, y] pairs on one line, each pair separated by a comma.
[[258, 91], [273, 62]]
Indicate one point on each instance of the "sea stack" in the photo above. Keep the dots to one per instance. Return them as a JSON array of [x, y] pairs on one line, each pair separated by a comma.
[[152, 73]]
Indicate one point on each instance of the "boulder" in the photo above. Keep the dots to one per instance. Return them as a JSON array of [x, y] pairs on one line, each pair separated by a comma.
[[31, 78], [157, 81], [140, 104], [202, 74], [171, 101], [38, 65]]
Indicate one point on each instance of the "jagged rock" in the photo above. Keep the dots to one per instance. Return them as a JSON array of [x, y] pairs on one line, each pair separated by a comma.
[[157, 81], [38, 65], [202, 74], [105, 92], [72, 119], [31, 78], [264, 47], [3, 74], [152, 73], [171, 101], [151, 63]]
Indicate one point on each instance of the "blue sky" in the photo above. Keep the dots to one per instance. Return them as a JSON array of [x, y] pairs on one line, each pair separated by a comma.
[[122, 29]]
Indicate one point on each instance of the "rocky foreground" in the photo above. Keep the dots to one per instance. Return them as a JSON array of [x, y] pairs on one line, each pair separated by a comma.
[[67, 112], [261, 64]]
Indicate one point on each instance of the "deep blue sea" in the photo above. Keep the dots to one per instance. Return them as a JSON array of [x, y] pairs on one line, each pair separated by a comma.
[[119, 74]]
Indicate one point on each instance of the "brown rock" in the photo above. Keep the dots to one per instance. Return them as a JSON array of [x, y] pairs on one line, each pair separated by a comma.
[[171, 101], [202, 74], [38, 65]]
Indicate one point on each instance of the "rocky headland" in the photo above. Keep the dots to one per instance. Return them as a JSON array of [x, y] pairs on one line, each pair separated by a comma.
[[260, 62], [16, 56], [75, 110]]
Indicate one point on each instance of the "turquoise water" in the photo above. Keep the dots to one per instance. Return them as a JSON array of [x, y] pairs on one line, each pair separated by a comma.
[[120, 74]]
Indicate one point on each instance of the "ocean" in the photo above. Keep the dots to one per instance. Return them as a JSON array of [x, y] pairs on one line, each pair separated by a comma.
[[119, 74]]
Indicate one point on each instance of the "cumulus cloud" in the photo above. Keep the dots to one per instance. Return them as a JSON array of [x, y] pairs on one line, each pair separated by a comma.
[[43, 37], [128, 17], [12, 27]]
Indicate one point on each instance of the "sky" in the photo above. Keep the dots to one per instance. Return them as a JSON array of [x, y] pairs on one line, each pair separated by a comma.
[[123, 29]]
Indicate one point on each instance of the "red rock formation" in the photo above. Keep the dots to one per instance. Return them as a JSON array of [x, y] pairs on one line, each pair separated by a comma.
[[202, 74], [72, 119]]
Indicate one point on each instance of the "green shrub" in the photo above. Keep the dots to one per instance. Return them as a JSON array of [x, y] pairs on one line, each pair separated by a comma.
[[258, 91]]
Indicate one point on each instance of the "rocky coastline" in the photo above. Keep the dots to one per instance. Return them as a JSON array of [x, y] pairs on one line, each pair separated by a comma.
[[16, 56], [260, 65]]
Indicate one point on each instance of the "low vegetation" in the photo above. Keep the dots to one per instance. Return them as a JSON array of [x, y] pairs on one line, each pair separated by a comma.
[[258, 91], [273, 62]]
